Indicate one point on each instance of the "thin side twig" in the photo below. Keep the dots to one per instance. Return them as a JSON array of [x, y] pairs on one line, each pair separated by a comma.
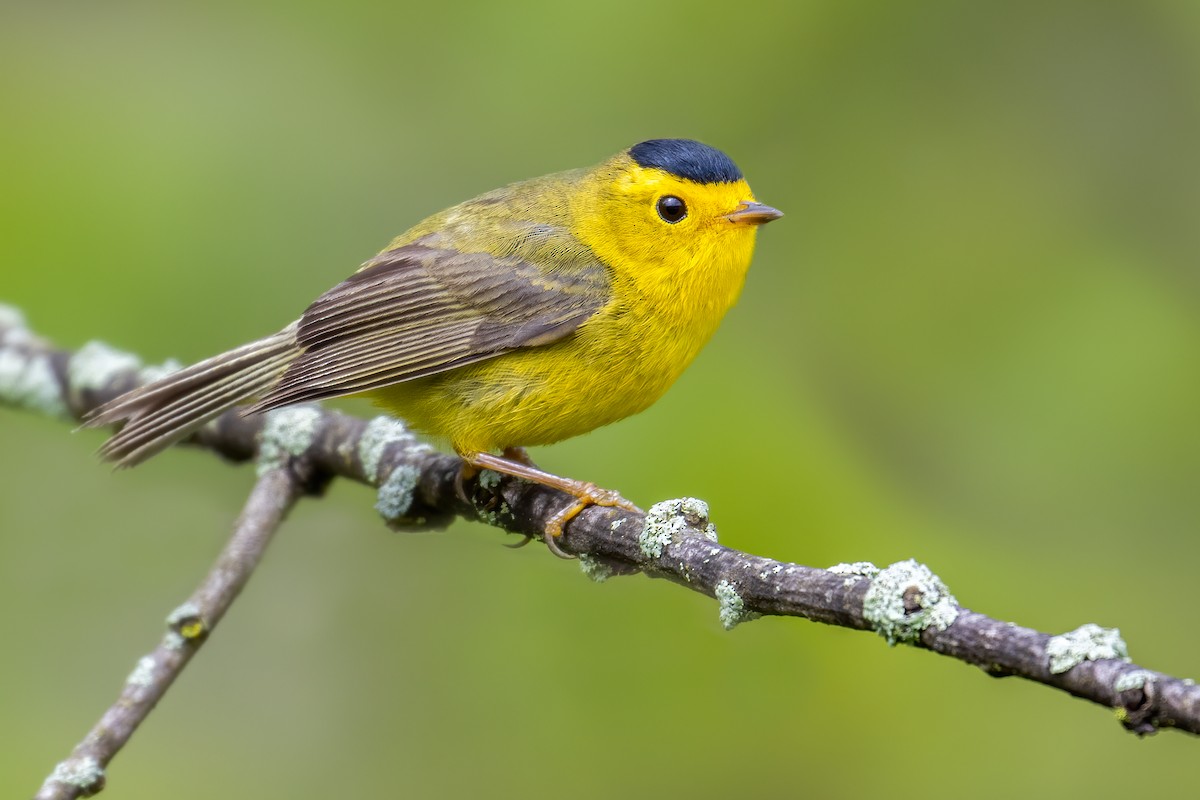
[[82, 773]]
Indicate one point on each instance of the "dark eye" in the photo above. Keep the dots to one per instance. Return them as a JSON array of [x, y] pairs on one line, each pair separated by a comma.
[[671, 209]]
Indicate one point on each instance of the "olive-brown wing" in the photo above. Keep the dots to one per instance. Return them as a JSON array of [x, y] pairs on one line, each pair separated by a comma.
[[419, 310]]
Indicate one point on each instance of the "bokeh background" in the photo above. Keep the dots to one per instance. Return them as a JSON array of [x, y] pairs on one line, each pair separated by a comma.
[[973, 341]]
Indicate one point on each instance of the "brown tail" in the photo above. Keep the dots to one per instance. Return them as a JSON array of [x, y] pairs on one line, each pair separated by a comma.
[[161, 413]]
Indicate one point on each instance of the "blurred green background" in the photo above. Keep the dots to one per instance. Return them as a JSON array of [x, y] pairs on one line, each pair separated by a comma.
[[973, 341]]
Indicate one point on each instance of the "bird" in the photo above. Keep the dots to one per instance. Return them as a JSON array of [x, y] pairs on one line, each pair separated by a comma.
[[527, 315]]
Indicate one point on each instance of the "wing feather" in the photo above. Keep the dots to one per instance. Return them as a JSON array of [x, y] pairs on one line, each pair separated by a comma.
[[421, 309]]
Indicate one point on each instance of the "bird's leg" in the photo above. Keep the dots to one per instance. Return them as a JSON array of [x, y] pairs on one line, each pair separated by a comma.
[[468, 470], [516, 463]]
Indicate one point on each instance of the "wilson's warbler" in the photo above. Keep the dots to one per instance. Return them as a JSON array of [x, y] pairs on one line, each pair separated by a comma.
[[525, 316]]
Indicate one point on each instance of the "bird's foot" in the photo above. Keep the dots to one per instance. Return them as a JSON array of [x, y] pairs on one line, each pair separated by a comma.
[[516, 462], [585, 494]]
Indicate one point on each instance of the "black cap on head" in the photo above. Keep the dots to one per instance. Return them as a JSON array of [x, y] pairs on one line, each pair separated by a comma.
[[687, 159]]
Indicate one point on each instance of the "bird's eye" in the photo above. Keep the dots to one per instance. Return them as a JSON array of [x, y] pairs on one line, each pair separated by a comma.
[[671, 209]]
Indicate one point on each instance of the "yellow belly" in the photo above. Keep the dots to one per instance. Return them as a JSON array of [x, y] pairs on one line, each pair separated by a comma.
[[614, 366]]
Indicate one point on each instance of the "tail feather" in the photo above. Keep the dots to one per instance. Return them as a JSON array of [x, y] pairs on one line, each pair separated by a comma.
[[169, 422], [161, 413]]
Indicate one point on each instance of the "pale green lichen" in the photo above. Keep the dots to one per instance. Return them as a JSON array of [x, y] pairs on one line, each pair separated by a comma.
[[594, 568], [182, 614], [670, 517], [86, 774], [695, 511], [661, 523], [12, 318], [96, 365], [1088, 642], [498, 518], [17, 337], [489, 480], [28, 382], [376, 437], [1133, 680], [397, 493], [905, 599], [287, 433], [731, 607], [173, 641], [143, 673], [855, 571], [156, 372]]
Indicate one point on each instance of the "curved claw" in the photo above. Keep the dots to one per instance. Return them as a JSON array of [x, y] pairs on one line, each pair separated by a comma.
[[589, 494], [465, 472], [526, 540], [552, 546]]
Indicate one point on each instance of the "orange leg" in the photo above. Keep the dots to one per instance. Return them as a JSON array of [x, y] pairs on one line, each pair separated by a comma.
[[469, 470], [516, 463]]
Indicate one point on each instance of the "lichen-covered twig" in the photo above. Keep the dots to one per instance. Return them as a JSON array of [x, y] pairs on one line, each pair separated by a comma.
[[905, 603], [82, 773]]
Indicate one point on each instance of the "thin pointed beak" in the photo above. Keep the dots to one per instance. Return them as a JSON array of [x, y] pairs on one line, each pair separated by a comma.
[[750, 213]]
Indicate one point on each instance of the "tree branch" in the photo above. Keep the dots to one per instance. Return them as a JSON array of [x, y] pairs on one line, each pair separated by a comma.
[[905, 602], [188, 626]]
